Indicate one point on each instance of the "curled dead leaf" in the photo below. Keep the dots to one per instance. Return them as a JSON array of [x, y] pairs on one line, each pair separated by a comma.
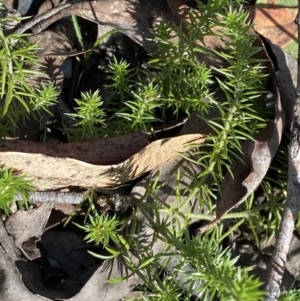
[[256, 158], [102, 151], [247, 175], [26, 227], [52, 173]]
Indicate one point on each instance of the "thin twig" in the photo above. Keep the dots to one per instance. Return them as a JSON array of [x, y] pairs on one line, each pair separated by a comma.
[[42, 17], [54, 197], [292, 205]]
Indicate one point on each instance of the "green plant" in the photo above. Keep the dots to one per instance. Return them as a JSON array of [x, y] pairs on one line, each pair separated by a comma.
[[202, 268], [120, 76], [176, 81], [11, 186], [88, 116], [78, 31], [19, 100], [18, 68], [141, 108], [172, 81], [290, 295], [217, 272], [101, 229]]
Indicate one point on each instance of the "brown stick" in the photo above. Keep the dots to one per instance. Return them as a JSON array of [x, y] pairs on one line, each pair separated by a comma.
[[42, 17], [292, 205]]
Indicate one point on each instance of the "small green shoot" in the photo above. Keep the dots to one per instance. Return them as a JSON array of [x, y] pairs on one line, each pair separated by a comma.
[[88, 117], [11, 186]]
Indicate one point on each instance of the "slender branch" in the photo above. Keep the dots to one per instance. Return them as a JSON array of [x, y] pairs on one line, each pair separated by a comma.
[[292, 205], [42, 17], [54, 197]]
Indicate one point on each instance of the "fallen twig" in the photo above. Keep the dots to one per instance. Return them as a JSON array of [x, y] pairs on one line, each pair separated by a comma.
[[42, 17], [292, 205], [53, 197]]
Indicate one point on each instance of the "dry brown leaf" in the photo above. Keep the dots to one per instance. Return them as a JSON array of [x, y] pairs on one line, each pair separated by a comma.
[[130, 16], [180, 10], [101, 151], [135, 20], [26, 227], [258, 155], [52, 173], [48, 43], [276, 24]]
